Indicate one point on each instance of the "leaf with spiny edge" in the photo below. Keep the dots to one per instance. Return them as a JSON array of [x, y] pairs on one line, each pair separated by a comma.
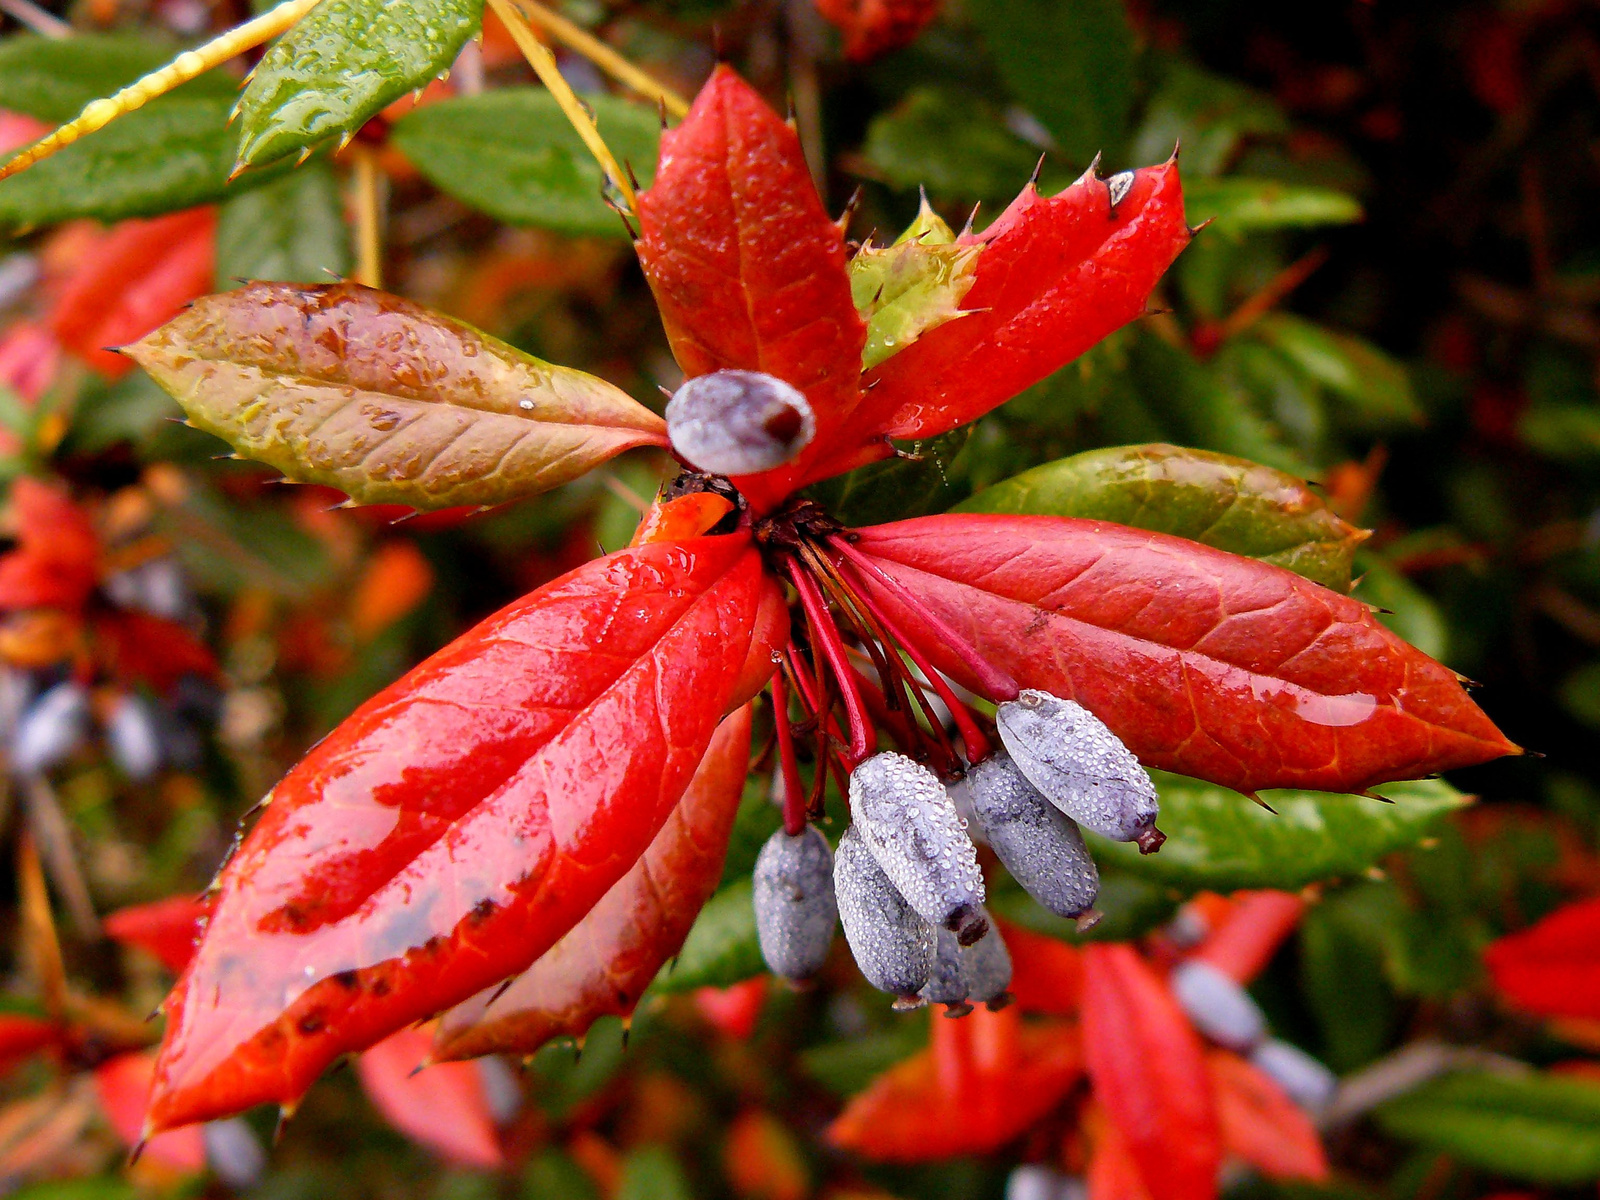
[[388, 402], [342, 64], [1215, 499], [904, 290]]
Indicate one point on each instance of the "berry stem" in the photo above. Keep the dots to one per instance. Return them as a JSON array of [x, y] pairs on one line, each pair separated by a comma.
[[794, 810], [825, 636]]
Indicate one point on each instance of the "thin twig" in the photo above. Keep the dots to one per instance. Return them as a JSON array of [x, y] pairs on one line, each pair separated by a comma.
[[544, 66], [39, 928], [369, 218], [576, 38], [191, 63], [49, 825], [27, 13]]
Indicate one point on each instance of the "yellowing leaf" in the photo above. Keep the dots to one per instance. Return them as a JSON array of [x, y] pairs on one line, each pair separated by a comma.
[[388, 402], [906, 289]]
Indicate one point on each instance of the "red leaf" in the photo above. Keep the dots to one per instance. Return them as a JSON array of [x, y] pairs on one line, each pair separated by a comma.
[[21, 1037], [461, 821], [29, 356], [442, 1107], [166, 928], [1113, 1174], [1552, 968], [57, 558], [1245, 941], [139, 647], [733, 1011], [123, 1084], [874, 27], [18, 130], [1203, 662], [686, 516], [1055, 276], [985, 1079], [1047, 973], [747, 268], [136, 279], [1149, 1072], [1261, 1125], [606, 960], [761, 1159]]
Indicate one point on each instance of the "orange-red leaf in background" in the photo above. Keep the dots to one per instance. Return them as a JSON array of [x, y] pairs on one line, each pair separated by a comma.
[[874, 27], [139, 276], [984, 1080], [29, 356], [606, 960], [733, 1011], [142, 648], [1047, 973], [444, 1107], [1245, 940], [1203, 662], [1149, 1072], [22, 1036], [167, 928], [761, 1159], [123, 1084], [57, 558], [463, 820], [1261, 1125], [1113, 1174], [1553, 967], [747, 268]]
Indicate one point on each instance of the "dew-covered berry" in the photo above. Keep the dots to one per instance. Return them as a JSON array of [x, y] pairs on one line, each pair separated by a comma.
[[908, 821], [967, 975], [738, 422], [1038, 843], [893, 946], [1081, 767], [50, 728], [794, 901]]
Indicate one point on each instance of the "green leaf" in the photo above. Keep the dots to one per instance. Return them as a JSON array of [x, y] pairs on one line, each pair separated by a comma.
[[911, 287], [652, 1173], [896, 488], [342, 64], [1070, 63], [951, 144], [553, 1175], [53, 78], [1580, 694], [1566, 432], [721, 949], [1245, 205], [1214, 499], [1218, 839], [849, 1065], [290, 229], [173, 153], [385, 400], [1343, 946], [1376, 389], [512, 154], [1209, 115], [1409, 611], [1533, 1127], [1130, 907]]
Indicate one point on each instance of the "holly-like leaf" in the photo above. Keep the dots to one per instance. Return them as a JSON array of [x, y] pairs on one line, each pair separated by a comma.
[[1056, 276], [1221, 841], [953, 143], [603, 965], [511, 153], [1148, 1069], [722, 948], [1552, 968], [444, 1107], [1214, 499], [1536, 1127], [173, 153], [291, 229], [463, 820], [385, 400], [142, 274], [747, 268], [341, 64], [1260, 1125], [1203, 662], [1374, 390], [954, 1099], [54, 78], [911, 287], [1070, 62], [1239, 206]]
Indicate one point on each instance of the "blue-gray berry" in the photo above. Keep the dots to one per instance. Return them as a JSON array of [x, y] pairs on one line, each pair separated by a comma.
[[794, 901], [893, 946], [738, 422], [1038, 843]]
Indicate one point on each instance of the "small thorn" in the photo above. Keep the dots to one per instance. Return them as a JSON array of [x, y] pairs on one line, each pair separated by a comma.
[[1195, 229], [1177, 145], [138, 1149], [661, 110], [1033, 180], [850, 209], [238, 170], [1256, 799], [1093, 172], [305, 153], [345, 140], [419, 1068], [966, 230], [1369, 794], [285, 1115], [501, 990]]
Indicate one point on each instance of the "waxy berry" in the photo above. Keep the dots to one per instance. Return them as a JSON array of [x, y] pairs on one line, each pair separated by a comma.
[[133, 736], [893, 946], [1218, 1006], [794, 900], [964, 975], [739, 422], [1038, 843], [1304, 1080], [50, 729], [908, 821], [1081, 767]]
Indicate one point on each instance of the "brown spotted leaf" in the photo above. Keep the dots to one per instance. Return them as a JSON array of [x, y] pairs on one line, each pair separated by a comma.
[[385, 400]]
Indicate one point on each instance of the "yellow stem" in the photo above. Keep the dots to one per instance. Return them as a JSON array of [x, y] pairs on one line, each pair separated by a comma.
[[39, 927], [604, 57], [369, 251], [544, 66], [99, 113]]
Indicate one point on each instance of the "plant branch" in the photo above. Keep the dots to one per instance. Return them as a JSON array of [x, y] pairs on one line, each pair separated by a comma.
[[580, 40], [97, 114], [369, 246]]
